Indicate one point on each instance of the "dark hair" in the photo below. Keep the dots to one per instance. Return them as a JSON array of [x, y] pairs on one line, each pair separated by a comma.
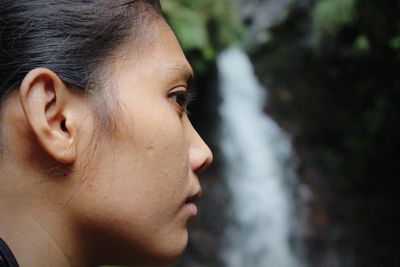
[[71, 37]]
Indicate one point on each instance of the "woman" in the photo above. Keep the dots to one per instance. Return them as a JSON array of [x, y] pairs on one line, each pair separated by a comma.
[[98, 161]]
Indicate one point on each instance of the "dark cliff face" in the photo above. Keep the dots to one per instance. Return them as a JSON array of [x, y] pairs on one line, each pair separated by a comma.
[[335, 86], [339, 96]]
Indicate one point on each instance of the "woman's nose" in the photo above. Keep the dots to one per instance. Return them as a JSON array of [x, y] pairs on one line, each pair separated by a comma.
[[200, 155]]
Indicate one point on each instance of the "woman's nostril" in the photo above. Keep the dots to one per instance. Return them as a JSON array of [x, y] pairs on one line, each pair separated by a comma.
[[200, 158], [206, 163], [202, 167]]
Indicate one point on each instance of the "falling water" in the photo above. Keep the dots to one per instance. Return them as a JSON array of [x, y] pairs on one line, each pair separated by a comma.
[[256, 150]]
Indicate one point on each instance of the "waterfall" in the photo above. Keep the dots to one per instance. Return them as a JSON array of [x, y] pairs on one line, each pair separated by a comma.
[[255, 149]]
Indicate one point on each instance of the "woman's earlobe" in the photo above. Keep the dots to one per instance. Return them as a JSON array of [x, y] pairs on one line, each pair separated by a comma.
[[47, 104]]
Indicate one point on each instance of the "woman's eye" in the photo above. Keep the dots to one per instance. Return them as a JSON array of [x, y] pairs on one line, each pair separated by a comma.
[[181, 98]]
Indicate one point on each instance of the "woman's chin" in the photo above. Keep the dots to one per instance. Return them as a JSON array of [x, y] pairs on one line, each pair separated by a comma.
[[163, 253], [173, 251]]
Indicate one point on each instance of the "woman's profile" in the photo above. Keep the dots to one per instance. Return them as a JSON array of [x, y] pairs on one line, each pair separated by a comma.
[[98, 159]]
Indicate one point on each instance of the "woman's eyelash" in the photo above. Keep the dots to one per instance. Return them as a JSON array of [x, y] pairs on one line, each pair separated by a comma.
[[191, 95], [183, 98]]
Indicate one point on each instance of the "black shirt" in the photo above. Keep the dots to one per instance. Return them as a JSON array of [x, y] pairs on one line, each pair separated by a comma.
[[7, 258]]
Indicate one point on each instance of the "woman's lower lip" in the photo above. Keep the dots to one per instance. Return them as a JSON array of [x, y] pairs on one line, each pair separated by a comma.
[[192, 208]]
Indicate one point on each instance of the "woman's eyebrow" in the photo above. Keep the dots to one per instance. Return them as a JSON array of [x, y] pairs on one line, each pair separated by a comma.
[[182, 72]]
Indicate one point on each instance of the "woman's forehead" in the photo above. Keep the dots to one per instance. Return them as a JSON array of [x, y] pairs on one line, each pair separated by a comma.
[[160, 51]]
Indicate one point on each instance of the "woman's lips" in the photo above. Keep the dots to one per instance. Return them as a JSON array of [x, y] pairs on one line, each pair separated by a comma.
[[191, 203], [192, 208]]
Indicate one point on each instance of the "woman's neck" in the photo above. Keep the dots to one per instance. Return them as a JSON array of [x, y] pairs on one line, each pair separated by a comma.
[[29, 241], [38, 231]]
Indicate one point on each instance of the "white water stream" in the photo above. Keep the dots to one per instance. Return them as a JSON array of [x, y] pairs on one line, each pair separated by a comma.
[[256, 151]]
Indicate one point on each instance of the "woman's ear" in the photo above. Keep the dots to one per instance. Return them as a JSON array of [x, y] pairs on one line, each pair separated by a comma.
[[49, 108]]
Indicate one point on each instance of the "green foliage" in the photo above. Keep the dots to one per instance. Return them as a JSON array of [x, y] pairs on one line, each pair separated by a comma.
[[362, 44], [395, 42], [189, 25], [203, 27], [330, 15]]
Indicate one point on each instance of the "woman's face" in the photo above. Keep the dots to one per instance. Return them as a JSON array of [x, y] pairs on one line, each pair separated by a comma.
[[142, 178]]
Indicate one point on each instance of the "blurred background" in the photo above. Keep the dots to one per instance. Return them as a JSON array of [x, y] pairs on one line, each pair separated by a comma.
[[300, 102]]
